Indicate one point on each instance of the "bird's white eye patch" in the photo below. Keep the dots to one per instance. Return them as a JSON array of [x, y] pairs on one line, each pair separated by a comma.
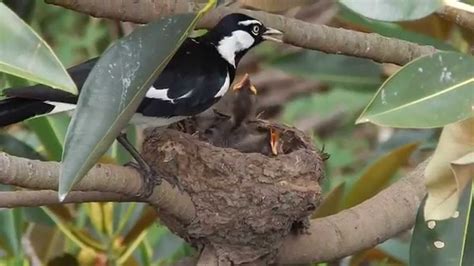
[[255, 29], [250, 22]]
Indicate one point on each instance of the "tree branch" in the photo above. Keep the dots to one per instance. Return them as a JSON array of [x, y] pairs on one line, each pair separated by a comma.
[[461, 17], [103, 178], [388, 213], [22, 198], [297, 33], [381, 217]]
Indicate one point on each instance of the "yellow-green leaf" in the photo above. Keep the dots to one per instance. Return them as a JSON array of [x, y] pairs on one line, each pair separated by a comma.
[[378, 175], [449, 170], [79, 237], [101, 216], [331, 204], [24, 54]]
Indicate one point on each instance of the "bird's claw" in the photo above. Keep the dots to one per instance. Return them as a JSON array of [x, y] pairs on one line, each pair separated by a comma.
[[149, 177]]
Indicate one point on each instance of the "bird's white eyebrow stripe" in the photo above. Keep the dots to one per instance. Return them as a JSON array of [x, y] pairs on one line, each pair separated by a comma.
[[249, 22]]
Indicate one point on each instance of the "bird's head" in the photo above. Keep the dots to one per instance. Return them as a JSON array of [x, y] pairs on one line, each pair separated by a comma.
[[237, 33]]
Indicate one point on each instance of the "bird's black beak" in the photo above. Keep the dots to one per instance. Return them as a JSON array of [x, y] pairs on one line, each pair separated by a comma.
[[273, 35]]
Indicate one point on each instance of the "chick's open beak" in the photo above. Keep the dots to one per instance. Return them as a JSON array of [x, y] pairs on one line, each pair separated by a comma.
[[245, 83], [273, 35]]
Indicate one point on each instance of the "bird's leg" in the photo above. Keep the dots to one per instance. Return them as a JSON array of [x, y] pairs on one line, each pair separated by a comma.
[[149, 176]]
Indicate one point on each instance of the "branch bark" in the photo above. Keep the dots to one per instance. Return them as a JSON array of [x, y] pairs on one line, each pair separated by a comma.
[[461, 17], [22, 198], [297, 33], [390, 212], [114, 179]]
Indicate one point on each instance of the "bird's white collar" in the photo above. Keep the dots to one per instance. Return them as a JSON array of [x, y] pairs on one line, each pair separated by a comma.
[[229, 46]]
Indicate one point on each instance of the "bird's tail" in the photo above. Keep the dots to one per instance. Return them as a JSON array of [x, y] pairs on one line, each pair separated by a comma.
[[13, 110]]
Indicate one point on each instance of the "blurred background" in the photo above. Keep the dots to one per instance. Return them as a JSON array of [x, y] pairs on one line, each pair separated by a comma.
[[320, 94]]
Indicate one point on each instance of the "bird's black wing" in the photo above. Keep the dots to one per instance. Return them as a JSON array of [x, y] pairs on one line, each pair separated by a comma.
[[188, 84]]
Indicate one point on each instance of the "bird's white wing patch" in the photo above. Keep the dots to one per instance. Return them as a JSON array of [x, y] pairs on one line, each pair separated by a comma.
[[249, 22], [60, 107], [239, 40], [155, 93], [224, 87], [186, 95]]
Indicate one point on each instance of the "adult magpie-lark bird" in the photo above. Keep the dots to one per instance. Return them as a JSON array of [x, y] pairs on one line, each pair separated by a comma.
[[197, 76]]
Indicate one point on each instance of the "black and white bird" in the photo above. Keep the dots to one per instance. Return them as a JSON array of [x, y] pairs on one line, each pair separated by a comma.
[[197, 76]]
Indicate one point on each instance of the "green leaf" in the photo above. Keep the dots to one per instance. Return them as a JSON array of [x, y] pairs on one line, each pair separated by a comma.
[[393, 10], [390, 29], [14, 146], [113, 91], [23, 53], [378, 175], [37, 215], [447, 242], [431, 91], [50, 131], [10, 231], [347, 71]]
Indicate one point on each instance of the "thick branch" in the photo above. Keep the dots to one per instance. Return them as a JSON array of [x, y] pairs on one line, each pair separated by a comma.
[[142, 11], [385, 215], [297, 33], [104, 178]]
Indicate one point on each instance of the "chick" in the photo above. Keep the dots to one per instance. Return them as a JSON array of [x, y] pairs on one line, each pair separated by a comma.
[[243, 107]]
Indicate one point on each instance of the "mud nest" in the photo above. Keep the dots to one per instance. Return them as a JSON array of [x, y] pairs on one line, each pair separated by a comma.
[[251, 184]]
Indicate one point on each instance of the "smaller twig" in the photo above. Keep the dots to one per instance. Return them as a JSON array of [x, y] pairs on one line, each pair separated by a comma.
[[459, 13], [24, 198]]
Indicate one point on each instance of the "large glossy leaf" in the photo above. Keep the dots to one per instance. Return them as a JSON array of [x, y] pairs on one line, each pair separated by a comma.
[[393, 10], [390, 29], [431, 91], [346, 71], [378, 175], [447, 242], [23, 53], [113, 91]]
